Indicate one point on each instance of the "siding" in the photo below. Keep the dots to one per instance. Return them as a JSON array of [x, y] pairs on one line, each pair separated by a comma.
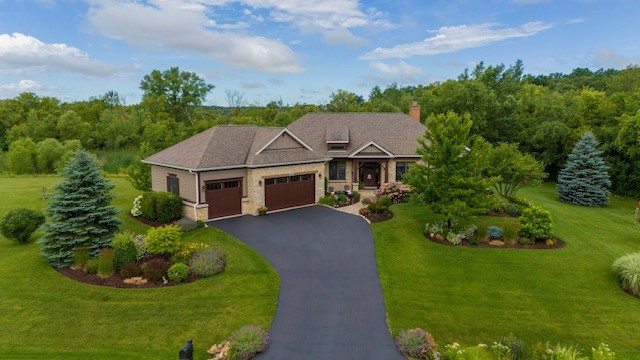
[[284, 142], [223, 174], [187, 181]]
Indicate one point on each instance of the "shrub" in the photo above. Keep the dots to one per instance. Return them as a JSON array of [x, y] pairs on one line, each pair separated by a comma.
[[535, 223], [495, 232], [396, 192], [186, 251], [566, 352], [136, 209], [168, 207], [124, 248], [356, 196], [199, 224], [141, 247], [106, 262], [627, 269], [481, 235], [247, 341], [525, 241], [512, 210], [454, 238], [366, 201], [186, 224], [469, 232], [510, 233], [602, 352], [434, 228], [81, 256], [163, 240], [19, 224], [517, 348], [178, 272], [522, 202], [130, 269], [417, 343], [385, 201], [162, 207], [327, 200], [155, 269], [208, 261], [92, 266], [378, 206]]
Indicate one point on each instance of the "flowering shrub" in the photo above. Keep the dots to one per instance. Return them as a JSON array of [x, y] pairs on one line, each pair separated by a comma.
[[394, 191], [434, 228], [417, 343], [535, 223], [141, 246], [469, 232], [454, 238], [135, 210], [208, 261], [366, 213], [602, 352], [186, 251]]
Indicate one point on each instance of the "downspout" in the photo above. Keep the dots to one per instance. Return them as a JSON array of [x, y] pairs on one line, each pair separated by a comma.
[[195, 210]]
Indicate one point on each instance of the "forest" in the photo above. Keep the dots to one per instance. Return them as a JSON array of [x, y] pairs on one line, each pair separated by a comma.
[[544, 115]]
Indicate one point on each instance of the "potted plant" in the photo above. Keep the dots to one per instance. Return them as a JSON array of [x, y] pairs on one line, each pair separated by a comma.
[[262, 210]]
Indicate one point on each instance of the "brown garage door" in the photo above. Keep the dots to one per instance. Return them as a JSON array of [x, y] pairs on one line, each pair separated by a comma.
[[224, 197], [289, 191]]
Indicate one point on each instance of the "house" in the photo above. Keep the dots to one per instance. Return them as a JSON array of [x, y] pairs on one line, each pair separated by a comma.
[[232, 170]]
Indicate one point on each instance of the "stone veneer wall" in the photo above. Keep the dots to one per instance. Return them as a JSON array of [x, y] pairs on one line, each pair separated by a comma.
[[256, 192]]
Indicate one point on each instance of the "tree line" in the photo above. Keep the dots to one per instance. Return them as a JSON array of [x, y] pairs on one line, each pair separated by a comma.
[[541, 115]]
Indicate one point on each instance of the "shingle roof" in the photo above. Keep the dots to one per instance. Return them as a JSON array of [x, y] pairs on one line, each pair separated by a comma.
[[395, 132], [238, 145]]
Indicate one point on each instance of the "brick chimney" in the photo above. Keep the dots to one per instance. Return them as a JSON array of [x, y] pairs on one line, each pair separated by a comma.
[[414, 111]]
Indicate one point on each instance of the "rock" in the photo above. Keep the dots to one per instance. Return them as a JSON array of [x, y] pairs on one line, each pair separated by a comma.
[[143, 281], [439, 237], [482, 346], [136, 278], [496, 242], [129, 281]]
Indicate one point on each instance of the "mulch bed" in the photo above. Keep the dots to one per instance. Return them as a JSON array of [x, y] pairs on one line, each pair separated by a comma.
[[374, 218], [628, 291], [116, 280], [147, 222], [540, 245]]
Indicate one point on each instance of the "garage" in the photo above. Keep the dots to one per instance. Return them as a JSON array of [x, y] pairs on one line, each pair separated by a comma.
[[289, 191], [224, 197]]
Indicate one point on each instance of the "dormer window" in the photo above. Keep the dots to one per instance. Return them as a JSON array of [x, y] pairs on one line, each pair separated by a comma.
[[337, 147]]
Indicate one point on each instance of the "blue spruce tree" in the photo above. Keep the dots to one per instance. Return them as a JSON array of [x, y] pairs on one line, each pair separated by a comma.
[[80, 212], [584, 180]]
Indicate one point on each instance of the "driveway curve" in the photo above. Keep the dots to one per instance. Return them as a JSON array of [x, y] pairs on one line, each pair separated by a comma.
[[330, 304]]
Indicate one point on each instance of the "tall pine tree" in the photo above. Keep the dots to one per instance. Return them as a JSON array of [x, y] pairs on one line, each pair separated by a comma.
[[584, 180], [80, 212]]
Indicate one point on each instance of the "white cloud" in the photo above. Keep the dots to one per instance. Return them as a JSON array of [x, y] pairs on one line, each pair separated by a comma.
[[608, 58], [342, 36], [252, 85], [184, 25], [21, 53], [22, 86], [450, 39], [401, 73], [577, 20]]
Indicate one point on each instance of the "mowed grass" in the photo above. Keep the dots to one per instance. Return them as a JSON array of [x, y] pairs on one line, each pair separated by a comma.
[[478, 295], [46, 315]]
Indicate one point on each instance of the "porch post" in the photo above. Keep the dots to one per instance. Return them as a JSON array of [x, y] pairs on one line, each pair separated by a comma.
[[386, 172], [356, 170]]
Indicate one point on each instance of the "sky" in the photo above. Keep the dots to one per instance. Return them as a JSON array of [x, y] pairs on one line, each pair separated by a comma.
[[299, 51]]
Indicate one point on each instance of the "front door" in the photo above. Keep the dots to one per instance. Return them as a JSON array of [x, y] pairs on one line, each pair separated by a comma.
[[370, 174]]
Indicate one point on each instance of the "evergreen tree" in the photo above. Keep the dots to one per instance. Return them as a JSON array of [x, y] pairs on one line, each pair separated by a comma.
[[80, 212], [452, 184], [584, 180]]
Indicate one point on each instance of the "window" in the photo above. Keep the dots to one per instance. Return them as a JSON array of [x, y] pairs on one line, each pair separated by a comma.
[[173, 184], [306, 177], [213, 186], [402, 168], [274, 181], [338, 147], [337, 170]]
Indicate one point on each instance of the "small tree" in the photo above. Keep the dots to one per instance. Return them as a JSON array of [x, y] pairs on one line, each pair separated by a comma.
[[514, 169], [139, 172], [584, 180], [19, 224], [80, 211], [451, 181]]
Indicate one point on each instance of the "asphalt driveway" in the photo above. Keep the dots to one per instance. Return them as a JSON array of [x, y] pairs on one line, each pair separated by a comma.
[[330, 304]]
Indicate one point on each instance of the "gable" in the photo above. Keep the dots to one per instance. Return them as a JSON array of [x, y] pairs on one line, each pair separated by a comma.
[[371, 149], [282, 142]]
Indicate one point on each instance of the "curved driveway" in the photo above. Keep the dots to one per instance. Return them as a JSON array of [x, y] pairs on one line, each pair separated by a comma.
[[330, 304]]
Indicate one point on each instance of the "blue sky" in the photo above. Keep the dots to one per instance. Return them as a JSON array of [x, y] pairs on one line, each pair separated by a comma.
[[299, 50]]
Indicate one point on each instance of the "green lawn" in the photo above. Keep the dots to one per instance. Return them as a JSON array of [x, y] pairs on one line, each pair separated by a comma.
[[45, 315], [479, 295]]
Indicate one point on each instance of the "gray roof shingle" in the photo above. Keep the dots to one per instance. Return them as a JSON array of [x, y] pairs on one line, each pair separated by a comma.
[[237, 145]]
